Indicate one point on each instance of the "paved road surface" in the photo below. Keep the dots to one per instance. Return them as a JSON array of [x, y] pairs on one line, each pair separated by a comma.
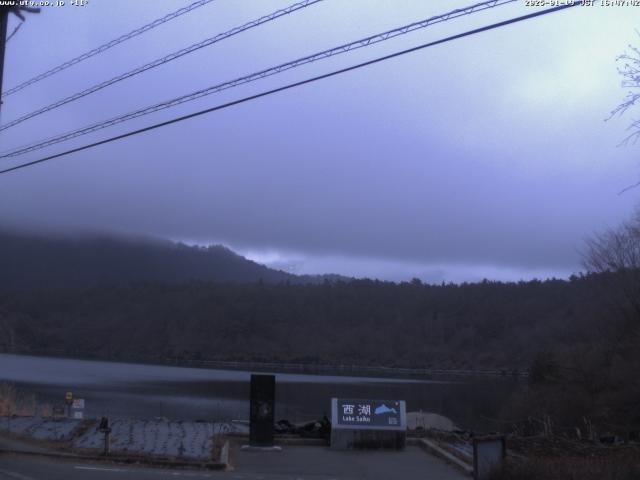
[[293, 463], [24, 468]]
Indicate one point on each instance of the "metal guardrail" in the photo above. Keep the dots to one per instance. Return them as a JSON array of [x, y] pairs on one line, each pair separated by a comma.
[[307, 367], [294, 367]]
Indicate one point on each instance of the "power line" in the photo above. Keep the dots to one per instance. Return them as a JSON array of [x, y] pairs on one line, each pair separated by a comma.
[[106, 46], [293, 85], [161, 61], [367, 41]]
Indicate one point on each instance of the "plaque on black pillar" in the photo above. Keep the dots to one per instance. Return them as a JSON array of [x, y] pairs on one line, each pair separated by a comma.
[[263, 391]]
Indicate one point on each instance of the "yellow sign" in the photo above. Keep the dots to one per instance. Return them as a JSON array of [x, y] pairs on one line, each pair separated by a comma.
[[68, 397]]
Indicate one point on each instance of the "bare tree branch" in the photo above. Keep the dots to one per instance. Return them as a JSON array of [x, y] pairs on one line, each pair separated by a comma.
[[616, 254]]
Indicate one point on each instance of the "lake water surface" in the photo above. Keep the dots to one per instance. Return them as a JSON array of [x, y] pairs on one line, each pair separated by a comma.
[[146, 391]]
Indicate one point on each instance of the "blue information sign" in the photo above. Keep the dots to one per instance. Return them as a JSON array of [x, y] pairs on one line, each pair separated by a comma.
[[369, 413]]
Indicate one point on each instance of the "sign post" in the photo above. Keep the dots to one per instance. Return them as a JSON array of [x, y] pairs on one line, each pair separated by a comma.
[[361, 423], [68, 400]]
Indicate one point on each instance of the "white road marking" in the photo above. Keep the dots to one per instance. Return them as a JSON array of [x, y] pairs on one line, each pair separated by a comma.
[[15, 475], [124, 470], [80, 467]]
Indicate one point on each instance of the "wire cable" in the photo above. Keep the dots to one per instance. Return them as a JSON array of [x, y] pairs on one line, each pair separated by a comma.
[[161, 61], [367, 41], [106, 46], [294, 85]]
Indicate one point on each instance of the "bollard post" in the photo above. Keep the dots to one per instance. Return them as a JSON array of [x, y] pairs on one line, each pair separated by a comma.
[[107, 445], [104, 428]]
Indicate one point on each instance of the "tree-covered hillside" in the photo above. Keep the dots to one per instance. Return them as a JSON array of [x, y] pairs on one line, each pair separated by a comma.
[[359, 322]]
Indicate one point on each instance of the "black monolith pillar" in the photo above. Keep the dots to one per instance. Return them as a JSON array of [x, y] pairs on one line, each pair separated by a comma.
[[263, 392]]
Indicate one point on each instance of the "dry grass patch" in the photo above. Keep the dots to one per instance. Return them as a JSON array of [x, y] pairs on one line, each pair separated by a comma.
[[572, 468]]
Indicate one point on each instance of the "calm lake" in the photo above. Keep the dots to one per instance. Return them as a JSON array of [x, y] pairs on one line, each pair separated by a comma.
[[146, 391]]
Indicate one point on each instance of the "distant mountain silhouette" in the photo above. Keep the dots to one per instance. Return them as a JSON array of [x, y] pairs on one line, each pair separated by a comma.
[[30, 261]]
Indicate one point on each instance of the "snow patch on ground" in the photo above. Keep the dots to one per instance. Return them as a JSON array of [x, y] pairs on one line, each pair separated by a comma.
[[155, 437], [426, 420], [193, 440], [159, 437], [40, 428]]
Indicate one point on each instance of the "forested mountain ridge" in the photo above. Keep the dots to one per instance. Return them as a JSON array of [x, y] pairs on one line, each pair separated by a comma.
[[39, 262]]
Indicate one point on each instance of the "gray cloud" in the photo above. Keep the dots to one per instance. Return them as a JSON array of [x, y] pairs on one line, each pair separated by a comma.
[[483, 155]]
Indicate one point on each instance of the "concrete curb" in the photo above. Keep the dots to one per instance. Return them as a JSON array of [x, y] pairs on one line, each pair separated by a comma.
[[464, 457], [433, 448], [123, 459], [285, 439]]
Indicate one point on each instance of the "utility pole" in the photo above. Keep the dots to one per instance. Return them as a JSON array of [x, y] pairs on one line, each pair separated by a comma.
[[4, 20]]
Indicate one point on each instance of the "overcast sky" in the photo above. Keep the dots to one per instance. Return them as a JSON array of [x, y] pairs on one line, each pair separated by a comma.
[[483, 157]]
